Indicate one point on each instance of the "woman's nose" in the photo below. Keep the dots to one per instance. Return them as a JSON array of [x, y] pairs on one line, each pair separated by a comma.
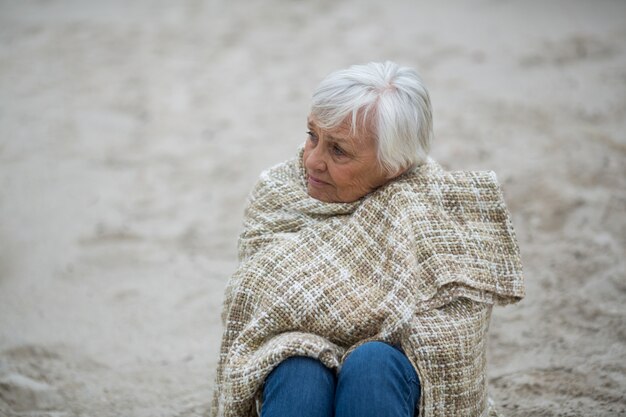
[[315, 161]]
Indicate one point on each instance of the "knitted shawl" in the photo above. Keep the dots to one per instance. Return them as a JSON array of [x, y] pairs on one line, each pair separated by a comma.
[[418, 263]]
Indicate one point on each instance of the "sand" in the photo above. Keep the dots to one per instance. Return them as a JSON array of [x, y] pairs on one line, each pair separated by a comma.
[[131, 132]]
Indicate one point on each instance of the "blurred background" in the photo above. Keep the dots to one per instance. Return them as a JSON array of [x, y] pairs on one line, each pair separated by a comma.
[[132, 131]]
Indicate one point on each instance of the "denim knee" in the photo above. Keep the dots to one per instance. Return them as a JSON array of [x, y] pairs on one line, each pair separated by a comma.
[[299, 386], [376, 358], [302, 367], [377, 379]]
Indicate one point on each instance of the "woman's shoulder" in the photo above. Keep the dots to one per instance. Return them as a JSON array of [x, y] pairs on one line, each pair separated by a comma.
[[430, 191], [283, 171], [432, 172], [279, 176], [432, 179]]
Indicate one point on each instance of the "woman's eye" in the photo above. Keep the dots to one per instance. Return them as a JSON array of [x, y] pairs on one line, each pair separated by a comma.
[[311, 135], [337, 151]]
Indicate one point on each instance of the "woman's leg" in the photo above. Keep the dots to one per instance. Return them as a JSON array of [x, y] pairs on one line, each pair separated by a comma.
[[377, 379], [299, 386]]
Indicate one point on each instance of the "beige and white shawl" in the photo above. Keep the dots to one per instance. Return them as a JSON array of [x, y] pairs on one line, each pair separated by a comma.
[[418, 263]]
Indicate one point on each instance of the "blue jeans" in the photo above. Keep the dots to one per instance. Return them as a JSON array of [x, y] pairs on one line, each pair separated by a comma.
[[376, 379]]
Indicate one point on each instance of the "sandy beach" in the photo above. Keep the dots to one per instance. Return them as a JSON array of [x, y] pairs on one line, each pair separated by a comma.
[[131, 133]]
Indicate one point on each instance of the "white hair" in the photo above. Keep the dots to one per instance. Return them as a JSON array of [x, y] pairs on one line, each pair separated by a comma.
[[386, 98]]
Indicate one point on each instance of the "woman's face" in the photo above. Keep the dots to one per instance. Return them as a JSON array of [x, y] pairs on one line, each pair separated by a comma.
[[341, 167]]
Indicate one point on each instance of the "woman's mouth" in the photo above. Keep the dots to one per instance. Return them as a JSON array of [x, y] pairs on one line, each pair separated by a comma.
[[316, 182]]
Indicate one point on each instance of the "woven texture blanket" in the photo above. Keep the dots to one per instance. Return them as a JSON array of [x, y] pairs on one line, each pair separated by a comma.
[[418, 263]]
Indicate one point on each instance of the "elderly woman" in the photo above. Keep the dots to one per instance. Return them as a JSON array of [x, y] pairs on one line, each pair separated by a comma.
[[367, 272]]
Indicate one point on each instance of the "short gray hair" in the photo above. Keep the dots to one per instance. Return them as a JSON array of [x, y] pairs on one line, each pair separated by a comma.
[[390, 99]]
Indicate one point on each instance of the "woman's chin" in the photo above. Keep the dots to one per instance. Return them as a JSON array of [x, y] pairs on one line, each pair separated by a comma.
[[317, 194]]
